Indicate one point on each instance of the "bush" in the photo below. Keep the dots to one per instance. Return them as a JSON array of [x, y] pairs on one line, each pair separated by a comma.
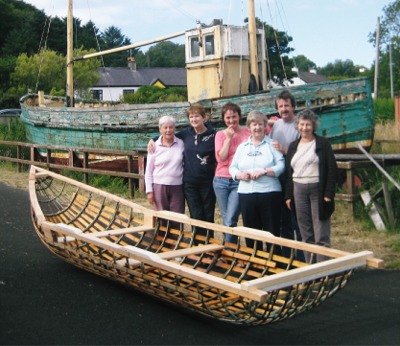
[[153, 94], [384, 109]]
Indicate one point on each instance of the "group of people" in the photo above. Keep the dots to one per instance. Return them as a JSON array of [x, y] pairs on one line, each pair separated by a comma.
[[281, 178]]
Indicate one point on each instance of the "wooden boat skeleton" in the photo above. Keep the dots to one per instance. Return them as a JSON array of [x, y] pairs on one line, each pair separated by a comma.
[[137, 246]]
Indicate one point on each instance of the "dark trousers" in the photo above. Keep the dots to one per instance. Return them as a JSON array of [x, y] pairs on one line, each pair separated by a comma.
[[200, 198], [261, 211]]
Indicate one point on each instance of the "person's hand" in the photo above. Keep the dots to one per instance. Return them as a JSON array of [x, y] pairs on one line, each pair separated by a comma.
[[151, 147], [327, 199], [150, 198], [278, 146], [289, 204], [229, 132], [257, 174], [243, 176]]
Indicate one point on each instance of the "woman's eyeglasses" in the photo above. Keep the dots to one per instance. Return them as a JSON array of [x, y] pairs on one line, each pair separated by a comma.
[[195, 140], [254, 153]]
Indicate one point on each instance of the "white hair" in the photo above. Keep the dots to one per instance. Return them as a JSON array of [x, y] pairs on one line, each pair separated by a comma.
[[166, 119]]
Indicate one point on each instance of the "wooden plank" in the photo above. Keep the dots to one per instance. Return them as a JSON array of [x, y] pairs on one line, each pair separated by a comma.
[[373, 212], [131, 262], [388, 203], [190, 251], [120, 231], [76, 233], [311, 272]]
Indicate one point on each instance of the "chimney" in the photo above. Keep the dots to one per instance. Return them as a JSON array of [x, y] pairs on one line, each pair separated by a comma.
[[132, 63]]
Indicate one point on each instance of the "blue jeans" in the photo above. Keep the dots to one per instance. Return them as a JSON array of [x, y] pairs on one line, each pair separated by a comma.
[[228, 201]]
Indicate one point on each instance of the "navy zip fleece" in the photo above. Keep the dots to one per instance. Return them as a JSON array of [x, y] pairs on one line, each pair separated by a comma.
[[199, 160]]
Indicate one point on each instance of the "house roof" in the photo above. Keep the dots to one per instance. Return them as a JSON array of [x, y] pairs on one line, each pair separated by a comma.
[[309, 77], [127, 77]]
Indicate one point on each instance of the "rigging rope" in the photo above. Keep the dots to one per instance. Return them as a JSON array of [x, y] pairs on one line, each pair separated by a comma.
[[48, 20]]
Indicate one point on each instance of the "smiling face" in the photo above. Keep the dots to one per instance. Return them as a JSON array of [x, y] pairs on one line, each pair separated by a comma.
[[257, 129], [305, 128], [232, 119], [285, 109], [167, 130], [196, 120]]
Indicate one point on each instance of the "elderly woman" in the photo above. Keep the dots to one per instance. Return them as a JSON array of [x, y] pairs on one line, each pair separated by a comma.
[[226, 143], [311, 182], [164, 170], [199, 165], [257, 166]]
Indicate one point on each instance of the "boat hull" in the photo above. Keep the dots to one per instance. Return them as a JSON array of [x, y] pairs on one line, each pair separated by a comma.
[[162, 254], [344, 107]]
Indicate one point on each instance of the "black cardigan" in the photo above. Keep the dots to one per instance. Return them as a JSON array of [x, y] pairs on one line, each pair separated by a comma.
[[328, 173]]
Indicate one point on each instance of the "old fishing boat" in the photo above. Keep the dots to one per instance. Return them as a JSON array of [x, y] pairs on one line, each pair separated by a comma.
[[223, 63], [161, 254]]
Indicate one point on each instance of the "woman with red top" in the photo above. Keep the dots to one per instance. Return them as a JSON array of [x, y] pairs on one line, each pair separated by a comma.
[[226, 143]]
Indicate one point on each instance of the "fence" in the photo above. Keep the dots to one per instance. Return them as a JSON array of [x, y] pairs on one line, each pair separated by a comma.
[[131, 164], [118, 163]]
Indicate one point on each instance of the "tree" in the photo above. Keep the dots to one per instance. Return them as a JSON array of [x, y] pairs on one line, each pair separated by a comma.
[[112, 38], [389, 43], [280, 65], [303, 63], [340, 69], [162, 54], [47, 70], [20, 26]]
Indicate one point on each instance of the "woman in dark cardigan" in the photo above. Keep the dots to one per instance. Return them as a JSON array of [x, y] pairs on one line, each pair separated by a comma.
[[311, 182]]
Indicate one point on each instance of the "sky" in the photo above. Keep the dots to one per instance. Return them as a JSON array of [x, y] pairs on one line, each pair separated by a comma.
[[322, 30]]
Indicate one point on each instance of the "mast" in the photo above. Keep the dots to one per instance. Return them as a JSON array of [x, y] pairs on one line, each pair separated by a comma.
[[130, 46], [253, 42], [70, 53], [376, 79]]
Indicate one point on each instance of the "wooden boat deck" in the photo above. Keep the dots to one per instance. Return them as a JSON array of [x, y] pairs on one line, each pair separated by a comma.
[[128, 243]]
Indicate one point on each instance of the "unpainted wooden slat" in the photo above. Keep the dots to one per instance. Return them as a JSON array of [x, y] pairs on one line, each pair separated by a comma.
[[190, 251]]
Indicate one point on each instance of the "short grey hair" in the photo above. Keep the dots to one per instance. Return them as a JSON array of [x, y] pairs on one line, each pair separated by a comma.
[[256, 116], [307, 114], [166, 119]]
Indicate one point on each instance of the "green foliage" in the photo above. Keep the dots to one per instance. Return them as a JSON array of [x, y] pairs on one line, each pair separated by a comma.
[[372, 180], [278, 54], [46, 71], [304, 64], [14, 131], [344, 68], [384, 109], [113, 38], [389, 40], [153, 94], [162, 54]]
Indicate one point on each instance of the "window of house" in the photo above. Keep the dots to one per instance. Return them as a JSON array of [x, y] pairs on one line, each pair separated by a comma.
[[97, 95], [210, 49], [194, 47], [128, 91]]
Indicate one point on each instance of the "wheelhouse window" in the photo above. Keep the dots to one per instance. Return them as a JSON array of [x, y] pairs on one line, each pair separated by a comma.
[[97, 95], [210, 48], [194, 47]]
